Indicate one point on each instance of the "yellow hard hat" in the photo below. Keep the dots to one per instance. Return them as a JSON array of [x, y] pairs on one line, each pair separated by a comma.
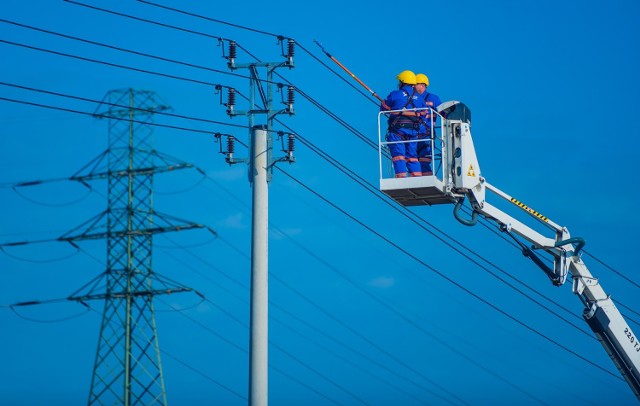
[[422, 78], [407, 77]]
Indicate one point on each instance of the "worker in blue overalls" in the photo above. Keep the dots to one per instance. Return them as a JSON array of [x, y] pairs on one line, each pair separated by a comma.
[[425, 132], [403, 126]]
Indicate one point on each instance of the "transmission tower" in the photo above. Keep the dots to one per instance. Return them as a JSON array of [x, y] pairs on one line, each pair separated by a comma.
[[127, 368]]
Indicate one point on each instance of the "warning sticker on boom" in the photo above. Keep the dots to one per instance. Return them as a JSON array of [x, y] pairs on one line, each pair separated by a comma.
[[471, 172]]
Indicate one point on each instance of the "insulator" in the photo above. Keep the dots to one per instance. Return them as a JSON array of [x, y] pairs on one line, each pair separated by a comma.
[[231, 144], [232, 50], [231, 100], [232, 97], [291, 50], [290, 98], [291, 143], [232, 55], [291, 94]]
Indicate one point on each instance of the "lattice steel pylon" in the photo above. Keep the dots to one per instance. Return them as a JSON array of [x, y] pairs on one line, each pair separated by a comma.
[[127, 368]]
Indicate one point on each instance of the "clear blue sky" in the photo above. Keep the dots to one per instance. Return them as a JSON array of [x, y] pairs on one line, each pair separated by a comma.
[[553, 87]]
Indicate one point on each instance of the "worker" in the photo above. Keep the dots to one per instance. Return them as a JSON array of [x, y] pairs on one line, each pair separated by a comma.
[[425, 132], [403, 126]]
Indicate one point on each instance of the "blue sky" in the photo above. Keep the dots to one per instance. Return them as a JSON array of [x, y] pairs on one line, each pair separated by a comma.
[[353, 319]]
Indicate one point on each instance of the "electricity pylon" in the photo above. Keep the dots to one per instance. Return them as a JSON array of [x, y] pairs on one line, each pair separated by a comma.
[[127, 368]]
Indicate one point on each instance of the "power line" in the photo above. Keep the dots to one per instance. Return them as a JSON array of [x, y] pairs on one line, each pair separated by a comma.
[[342, 275], [404, 251], [112, 117], [85, 99], [313, 101], [260, 32], [358, 334], [116, 48], [318, 105], [211, 19], [190, 367], [370, 187], [346, 360], [407, 214], [287, 174], [243, 350], [202, 374], [199, 33], [310, 99], [144, 20], [308, 52], [612, 269]]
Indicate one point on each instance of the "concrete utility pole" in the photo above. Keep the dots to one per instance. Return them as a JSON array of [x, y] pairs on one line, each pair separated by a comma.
[[260, 166], [259, 348]]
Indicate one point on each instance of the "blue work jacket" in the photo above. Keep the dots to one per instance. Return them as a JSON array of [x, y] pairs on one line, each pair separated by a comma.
[[404, 98]]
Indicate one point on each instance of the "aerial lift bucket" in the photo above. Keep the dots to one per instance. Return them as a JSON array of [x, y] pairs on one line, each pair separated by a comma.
[[413, 190]]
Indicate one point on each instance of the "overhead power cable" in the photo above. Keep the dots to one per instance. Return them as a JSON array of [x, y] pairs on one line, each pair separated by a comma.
[[95, 101], [381, 365], [335, 117], [190, 367], [318, 105], [249, 53], [280, 348], [289, 287], [612, 269], [115, 65], [202, 374], [347, 361], [274, 35], [488, 303], [210, 19], [116, 48], [378, 194], [62, 258], [219, 38], [407, 214], [332, 115], [260, 32], [212, 36], [331, 316], [369, 189], [305, 95], [378, 348], [173, 127], [411, 322], [48, 321]]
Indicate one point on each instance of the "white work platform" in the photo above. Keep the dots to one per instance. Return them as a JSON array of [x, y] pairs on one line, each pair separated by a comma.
[[415, 191]]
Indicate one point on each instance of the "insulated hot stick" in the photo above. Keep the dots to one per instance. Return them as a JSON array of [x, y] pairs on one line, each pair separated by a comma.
[[353, 76]]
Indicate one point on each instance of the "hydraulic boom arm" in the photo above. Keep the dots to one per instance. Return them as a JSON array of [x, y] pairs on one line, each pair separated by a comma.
[[462, 178]]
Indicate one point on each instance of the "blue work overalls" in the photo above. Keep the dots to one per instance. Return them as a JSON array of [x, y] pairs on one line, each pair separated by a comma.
[[425, 151], [404, 128]]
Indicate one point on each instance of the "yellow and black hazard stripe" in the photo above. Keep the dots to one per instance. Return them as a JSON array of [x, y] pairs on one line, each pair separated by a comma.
[[529, 209]]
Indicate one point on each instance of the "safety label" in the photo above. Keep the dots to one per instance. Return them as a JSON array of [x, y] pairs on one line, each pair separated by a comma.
[[471, 172]]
